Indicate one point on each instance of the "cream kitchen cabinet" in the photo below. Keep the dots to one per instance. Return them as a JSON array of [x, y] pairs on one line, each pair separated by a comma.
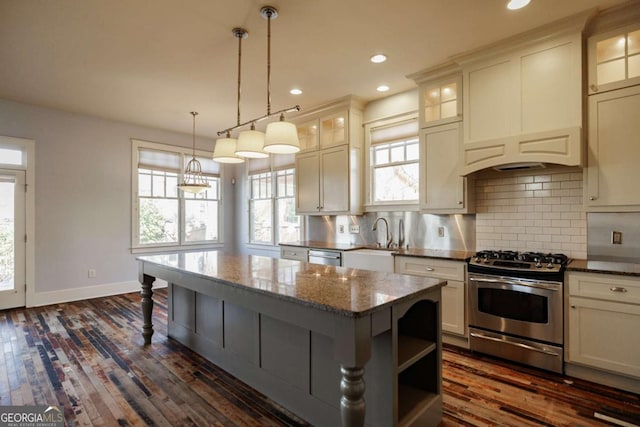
[[328, 175], [322, 177], [522, 101], [614, 59], [453, 294], [440, 98], [324, 132], [442, 189], [308, 135], [603, 318], [614, 151]]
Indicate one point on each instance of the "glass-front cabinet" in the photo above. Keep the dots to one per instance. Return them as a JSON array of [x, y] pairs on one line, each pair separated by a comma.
[[333, 130], [614, 59], [440, 102], [308, 135]]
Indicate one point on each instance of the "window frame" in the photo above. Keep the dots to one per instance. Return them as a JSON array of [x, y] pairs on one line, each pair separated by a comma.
[[275, 197], [185, 155], [376, 206]]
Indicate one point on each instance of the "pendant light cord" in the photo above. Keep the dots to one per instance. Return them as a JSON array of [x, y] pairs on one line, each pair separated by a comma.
[[194, 114], [269, 13]]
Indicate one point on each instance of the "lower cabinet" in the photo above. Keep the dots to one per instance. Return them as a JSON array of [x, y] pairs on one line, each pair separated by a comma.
[[604, 322], [453, 294]]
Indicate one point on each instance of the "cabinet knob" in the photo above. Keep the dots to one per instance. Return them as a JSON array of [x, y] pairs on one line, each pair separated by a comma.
[[573, 306], [594, 88], [592, 197], [428, 268], [459, 202]]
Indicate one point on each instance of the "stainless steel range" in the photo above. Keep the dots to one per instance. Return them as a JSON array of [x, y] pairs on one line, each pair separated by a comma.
[[515, 306]]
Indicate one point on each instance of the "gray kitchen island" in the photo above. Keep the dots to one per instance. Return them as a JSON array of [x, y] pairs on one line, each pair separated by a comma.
[[320, 340]]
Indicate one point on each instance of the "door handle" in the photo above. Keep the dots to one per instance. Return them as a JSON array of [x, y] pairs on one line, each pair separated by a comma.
[[516, 344]]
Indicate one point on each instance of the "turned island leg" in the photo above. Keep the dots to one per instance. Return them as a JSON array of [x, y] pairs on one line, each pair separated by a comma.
[[147, 307], [352, 406]]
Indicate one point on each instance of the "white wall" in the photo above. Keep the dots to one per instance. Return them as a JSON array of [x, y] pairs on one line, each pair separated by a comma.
[[83, 196]]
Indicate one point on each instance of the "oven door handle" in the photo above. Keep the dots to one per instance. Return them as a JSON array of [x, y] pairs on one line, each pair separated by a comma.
[[517, 283], [516, 344]]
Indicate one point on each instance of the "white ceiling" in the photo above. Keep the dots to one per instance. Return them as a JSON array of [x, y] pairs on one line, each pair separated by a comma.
[[150, 62]]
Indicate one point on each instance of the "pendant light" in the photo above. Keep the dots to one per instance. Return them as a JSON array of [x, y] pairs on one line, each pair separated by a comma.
[[280, 136], [225, 149], [193, 181]]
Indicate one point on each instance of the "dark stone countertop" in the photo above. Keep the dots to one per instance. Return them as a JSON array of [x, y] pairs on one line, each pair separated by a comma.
[[608, 267], [414, 252]]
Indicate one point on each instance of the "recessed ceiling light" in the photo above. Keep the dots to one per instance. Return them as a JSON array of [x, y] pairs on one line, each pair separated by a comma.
[[376, 59], [295, 91], [517, 4], [382, 88]]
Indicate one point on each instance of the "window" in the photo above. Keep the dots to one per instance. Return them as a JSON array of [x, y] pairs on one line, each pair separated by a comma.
[[164, 216], [394, 163], [272, 203]]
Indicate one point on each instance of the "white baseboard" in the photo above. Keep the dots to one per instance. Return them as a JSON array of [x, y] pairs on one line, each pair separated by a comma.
[[67, 295]]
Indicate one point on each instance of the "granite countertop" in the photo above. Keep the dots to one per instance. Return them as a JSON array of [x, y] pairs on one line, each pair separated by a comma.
[[415, 252], [610, 267], [347, 291]]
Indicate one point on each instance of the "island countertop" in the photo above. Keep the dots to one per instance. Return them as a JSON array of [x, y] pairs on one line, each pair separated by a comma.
[[346, 291]]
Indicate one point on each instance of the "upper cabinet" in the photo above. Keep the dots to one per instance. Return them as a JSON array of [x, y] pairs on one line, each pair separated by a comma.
[[614, 103], [440, 102], [442, 188], [329, 165], [522, 99], [614, 59]]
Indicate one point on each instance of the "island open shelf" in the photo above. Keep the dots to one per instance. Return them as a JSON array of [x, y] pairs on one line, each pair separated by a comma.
[[336, 346]]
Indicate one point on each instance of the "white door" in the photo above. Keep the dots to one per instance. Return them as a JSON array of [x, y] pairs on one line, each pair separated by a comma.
[[12, 239]]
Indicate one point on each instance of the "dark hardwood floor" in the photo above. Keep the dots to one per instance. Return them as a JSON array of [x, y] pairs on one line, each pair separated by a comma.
[[88, 356]]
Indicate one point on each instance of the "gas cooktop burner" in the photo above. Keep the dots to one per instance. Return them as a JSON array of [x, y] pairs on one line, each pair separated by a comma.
[[518, 264]]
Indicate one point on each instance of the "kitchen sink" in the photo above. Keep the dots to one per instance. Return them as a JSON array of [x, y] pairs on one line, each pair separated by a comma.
[[378, 259]]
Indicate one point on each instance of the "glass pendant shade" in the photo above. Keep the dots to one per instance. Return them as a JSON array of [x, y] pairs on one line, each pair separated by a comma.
[[281, 138], [251, 144], [225, 151]]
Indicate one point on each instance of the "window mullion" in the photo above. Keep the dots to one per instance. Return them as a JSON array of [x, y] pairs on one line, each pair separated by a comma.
[[274, 209]]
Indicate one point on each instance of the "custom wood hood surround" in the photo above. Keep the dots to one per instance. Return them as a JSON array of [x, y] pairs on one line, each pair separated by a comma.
[[522, 99]]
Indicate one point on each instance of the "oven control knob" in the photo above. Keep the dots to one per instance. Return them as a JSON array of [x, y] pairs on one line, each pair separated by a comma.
[[538, 264], [550, 266]]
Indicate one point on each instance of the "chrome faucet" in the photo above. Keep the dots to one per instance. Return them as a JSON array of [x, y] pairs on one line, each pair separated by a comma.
[[389, 235]]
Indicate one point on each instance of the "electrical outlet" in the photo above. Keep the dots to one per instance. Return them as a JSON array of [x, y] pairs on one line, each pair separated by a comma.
[[91, 273], [440, 231], [354, 229], [341, 229], [616, 237]]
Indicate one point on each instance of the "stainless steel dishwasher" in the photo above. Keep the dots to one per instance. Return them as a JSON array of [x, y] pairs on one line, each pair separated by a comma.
[[317, 256]]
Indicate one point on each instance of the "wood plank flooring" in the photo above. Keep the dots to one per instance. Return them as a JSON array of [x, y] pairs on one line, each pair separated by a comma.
[[88, 356]]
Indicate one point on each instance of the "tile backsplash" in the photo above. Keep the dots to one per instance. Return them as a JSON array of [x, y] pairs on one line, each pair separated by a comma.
[[532, 210]]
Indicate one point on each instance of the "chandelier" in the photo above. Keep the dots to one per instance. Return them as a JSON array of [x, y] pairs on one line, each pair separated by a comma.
[[192, 180], [279, 137]]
